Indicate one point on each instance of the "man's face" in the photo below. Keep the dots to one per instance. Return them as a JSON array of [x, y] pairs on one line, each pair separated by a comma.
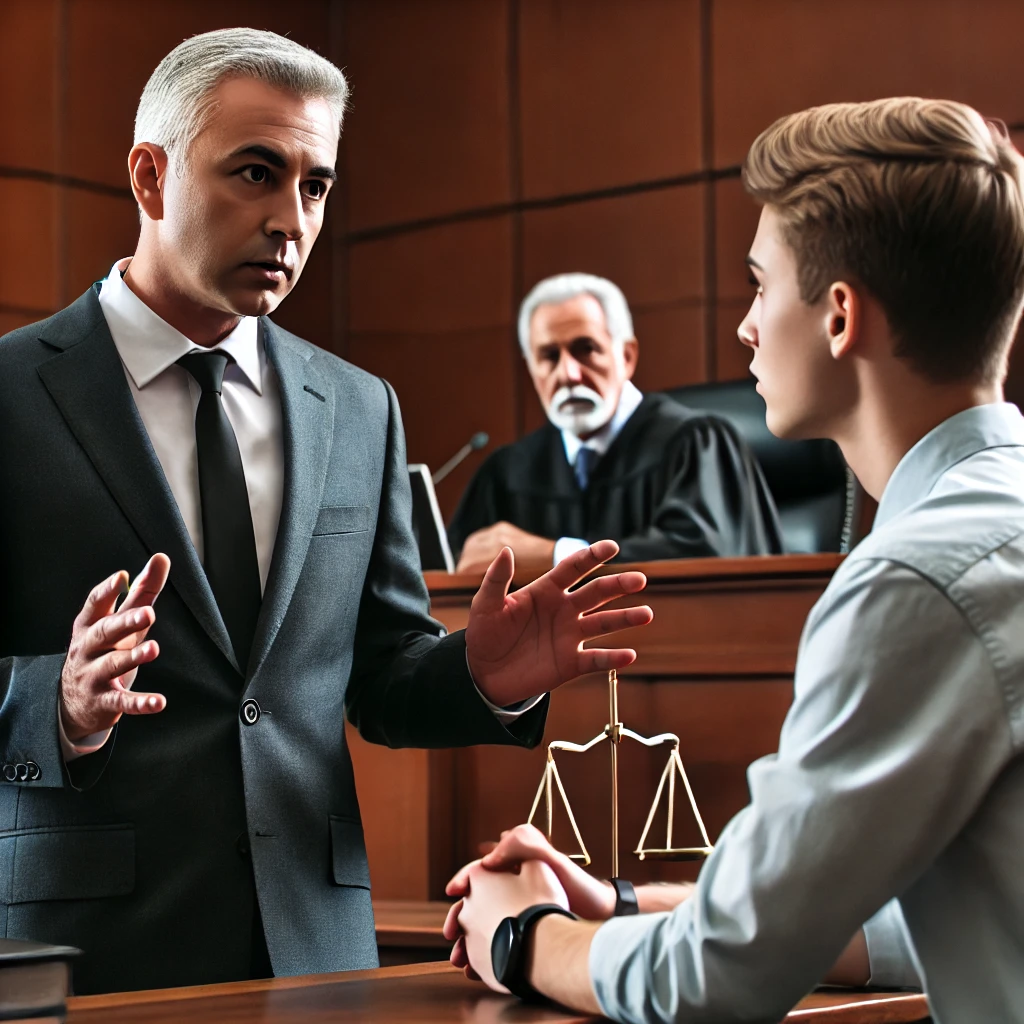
[[804, 388], [575, 368], [239, 223]]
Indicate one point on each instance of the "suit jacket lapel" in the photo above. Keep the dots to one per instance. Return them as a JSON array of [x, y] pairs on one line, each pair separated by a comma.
[[307, 408], [87, 382]]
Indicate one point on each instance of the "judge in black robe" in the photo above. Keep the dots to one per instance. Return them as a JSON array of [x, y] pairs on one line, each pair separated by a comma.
[[674, 483]]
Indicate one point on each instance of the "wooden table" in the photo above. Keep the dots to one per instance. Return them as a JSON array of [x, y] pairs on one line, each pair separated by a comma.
[[417, 994], [715, 666]]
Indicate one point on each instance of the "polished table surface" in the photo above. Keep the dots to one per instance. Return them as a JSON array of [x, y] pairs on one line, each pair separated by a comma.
[[417, 994]]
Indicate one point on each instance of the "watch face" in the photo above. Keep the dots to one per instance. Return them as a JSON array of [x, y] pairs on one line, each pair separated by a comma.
[[502, 946]]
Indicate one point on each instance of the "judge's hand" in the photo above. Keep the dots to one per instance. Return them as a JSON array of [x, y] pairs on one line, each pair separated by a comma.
[[490, 897], [107, 647], [523, 644], [589, 897], [482, 547]]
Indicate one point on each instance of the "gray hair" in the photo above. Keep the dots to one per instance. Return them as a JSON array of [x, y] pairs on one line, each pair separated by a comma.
[[564, 287], [177, 100]]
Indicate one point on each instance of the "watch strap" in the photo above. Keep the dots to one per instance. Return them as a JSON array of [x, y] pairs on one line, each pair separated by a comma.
[[514, 976], [625, 897]]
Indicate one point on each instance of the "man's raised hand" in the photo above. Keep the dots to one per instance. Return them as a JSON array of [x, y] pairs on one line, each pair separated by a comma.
[[528, 642], [108, 644]]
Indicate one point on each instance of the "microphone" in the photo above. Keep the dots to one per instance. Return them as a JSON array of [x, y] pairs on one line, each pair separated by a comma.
[[476, 442]]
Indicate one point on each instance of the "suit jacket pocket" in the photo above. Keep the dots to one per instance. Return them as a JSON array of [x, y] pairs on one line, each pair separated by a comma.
[[342, 519], [72, 862], [348, 852]]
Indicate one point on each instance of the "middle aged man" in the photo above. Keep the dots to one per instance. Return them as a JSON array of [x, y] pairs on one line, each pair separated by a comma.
[[663, 481], [889, 274], [213, 833]]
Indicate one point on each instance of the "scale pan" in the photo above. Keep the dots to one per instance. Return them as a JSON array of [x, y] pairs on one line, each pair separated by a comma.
[[678, 853]]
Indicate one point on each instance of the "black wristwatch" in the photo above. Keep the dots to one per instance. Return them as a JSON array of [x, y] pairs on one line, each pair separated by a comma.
[[508, 948], [625, 897]]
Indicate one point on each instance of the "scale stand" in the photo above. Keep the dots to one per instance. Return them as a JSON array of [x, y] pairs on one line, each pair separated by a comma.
[[614, 731]]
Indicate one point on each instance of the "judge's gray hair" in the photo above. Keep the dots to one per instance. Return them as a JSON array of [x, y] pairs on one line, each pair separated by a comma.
[[564, 287], [177, 100]]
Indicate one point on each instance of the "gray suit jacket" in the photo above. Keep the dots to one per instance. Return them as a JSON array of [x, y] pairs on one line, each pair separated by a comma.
[[140, 854]]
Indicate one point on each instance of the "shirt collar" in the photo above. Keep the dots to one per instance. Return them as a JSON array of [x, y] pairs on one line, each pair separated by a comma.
[[961, 436], [148, 345], [629, 400]]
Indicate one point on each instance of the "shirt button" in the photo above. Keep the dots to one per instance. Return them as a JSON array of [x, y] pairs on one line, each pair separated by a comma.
[[250, 712]]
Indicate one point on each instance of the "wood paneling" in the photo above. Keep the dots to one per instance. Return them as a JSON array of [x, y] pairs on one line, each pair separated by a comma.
[[771, 59], [429, 131], [671, 347], [29, 48], [28, 212], [99, 230], [609, 93]]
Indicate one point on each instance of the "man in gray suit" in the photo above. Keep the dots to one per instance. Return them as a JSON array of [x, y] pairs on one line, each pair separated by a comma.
[[204, 827]]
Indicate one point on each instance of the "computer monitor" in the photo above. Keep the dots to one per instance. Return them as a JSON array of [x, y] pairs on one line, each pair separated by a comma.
[[427, 524]]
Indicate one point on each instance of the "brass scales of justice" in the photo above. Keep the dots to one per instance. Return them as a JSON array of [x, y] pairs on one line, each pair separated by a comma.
[[614, 732]]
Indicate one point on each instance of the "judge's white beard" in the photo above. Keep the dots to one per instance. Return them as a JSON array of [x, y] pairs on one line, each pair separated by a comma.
[[586, 411]]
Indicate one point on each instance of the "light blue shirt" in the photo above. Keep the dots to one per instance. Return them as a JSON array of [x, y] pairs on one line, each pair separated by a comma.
[[899, 775]]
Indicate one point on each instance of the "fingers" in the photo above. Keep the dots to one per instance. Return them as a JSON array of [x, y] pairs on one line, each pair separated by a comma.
[[601, 659], [572, 569], [149, 583], [458, 955], [118, 662], [451, 929], [112, 629], [459, 884], [125, 702], [102, 598], [490, 598], [599, 592], [602, 623]]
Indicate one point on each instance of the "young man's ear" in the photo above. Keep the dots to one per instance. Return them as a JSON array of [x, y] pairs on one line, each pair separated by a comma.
[[842, 318], [147, 164]]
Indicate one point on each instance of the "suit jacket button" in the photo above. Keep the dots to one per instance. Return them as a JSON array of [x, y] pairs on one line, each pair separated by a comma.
[[10, 772], [21, 772], [242, 845], [34, 772], [251, 712]]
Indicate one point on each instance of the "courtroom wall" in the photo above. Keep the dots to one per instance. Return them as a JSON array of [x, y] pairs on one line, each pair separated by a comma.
[[489, 143]]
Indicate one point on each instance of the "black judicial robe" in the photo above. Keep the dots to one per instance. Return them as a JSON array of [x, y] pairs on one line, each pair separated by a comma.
[[675, 483]]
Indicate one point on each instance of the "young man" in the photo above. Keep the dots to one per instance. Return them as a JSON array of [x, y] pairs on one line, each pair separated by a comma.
[[889, 267], [662, 481], [212, 833]]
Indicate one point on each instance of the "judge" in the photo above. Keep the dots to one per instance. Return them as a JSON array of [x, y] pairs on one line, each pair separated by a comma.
[[663, 481]]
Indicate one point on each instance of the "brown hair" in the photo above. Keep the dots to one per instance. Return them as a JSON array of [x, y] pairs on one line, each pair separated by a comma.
[[917, 200]]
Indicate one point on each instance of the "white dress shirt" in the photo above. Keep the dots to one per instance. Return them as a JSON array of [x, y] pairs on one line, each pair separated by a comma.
[[629, 401], [899, 774], [167, 397]]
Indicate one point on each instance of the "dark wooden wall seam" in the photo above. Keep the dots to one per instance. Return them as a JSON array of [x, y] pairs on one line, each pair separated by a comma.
[[707, 147]]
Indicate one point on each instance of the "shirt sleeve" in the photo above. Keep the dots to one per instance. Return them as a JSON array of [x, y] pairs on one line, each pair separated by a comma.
[[88, 745], [890, 953], [896, 733]]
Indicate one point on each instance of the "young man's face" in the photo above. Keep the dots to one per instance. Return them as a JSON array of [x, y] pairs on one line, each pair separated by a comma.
[[240, 221], [792, 361], [574, 364]]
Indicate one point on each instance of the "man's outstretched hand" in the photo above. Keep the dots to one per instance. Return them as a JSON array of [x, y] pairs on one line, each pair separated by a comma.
[[526, 643], [108, 644]]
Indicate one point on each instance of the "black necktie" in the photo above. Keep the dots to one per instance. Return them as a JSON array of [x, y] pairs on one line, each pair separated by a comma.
[[586, 460], [229, 545]]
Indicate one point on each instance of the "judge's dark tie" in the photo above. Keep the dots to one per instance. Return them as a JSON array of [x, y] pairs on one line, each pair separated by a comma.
[[229, 545], [586, 460]]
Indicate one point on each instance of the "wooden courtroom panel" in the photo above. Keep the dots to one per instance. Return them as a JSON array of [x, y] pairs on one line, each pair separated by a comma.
[[715, 667], [414, 994]]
